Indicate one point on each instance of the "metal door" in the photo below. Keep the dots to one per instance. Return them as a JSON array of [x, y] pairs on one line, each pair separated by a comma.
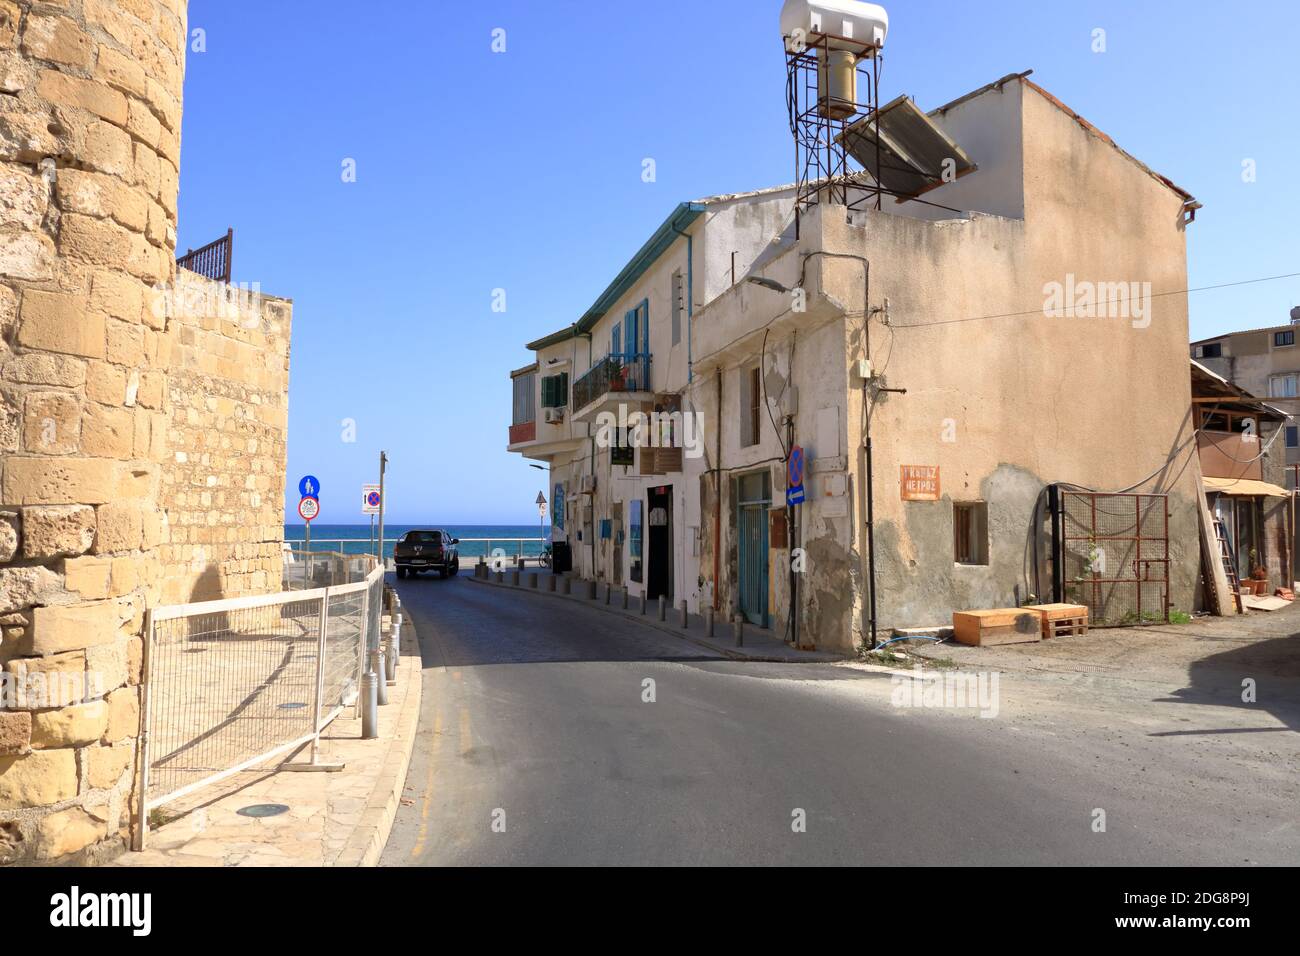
[[752, 500]]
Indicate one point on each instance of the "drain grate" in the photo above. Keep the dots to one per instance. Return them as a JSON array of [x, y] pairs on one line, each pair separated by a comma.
[[263, 810]]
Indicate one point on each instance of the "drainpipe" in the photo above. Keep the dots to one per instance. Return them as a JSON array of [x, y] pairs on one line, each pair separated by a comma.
[[690, 295], [717, 497]]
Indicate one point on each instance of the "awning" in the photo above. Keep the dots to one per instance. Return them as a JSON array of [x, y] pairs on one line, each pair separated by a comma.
[[1244, 486]]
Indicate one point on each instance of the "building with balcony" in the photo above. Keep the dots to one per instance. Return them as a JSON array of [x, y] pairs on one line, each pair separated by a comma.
[[934, 357], [1264, 362]]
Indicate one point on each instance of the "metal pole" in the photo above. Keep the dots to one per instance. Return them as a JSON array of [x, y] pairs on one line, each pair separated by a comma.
[[383, 461], [146, 707], [318, 703], [307, 547]]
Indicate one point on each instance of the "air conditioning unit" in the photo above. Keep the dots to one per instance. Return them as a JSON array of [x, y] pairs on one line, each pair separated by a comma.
[[554, 416], [588, 485]]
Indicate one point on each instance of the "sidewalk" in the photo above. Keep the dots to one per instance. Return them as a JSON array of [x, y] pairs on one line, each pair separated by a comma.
[[759, 644], [334, 819]]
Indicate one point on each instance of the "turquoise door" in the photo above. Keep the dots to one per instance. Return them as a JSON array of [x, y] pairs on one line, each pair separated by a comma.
[[752, 500]]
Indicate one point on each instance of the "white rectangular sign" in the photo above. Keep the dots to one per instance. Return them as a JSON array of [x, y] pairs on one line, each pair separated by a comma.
[[370, 499]]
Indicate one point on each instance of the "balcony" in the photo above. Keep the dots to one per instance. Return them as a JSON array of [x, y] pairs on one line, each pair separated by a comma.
[[615, 379], [522, 432]]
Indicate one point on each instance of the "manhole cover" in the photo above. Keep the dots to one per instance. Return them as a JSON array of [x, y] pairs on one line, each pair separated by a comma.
[[292, 705], [263, 810]]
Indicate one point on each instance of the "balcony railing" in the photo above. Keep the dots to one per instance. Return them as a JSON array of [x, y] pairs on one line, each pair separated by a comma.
[[524, 431], [213, 260], [626, 372]]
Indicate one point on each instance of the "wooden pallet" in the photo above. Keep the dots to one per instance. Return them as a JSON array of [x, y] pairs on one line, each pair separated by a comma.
[[1062, 620], [1002, 625]]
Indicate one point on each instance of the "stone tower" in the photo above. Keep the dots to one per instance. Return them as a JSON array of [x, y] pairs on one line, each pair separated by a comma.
[[90, 122]]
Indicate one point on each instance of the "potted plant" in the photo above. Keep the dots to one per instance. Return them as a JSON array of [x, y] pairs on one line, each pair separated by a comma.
[[1258, 574]]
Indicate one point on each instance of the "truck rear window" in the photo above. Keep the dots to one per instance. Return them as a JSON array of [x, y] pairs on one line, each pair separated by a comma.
[[422, 537]]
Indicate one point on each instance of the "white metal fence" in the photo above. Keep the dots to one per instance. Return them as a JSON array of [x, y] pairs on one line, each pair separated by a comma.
[[232, 684]]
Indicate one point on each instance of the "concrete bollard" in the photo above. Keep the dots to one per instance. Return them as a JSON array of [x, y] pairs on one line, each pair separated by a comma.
[[591, 590], [708, 621], [643, 602], [530, 579], [625, 599], [738, 629], [565, 585], [609, 594], [663, 608], [514, 577], [381, 680], [369, 705], [501, 577], [550, 582], [390, 656], [685, 615]]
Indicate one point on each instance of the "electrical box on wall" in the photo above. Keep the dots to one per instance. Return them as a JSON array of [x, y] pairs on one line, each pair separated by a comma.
[[862, 369]]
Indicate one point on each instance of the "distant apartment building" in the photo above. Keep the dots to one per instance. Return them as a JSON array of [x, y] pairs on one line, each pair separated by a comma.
[[1264, 362], [952, 365]]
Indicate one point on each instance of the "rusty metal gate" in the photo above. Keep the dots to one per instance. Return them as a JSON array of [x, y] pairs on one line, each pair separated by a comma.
[[1112, 555]]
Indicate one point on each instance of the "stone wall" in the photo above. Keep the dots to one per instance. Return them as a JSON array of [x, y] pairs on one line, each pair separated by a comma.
[[141, 440], [223, 481]]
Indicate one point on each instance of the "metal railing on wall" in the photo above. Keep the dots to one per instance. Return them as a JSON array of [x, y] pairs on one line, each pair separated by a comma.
[[232, 684], [618, 372], [213, 260]]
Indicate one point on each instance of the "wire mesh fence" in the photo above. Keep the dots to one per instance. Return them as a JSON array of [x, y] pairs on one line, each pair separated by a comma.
[[231, 684], [1115, 556]]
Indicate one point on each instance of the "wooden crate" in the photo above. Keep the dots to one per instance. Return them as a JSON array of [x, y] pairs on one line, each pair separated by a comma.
[[1003, 625], [1062, 620]]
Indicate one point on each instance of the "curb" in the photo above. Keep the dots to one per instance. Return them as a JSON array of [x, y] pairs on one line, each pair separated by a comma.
[[650, 622], [367, 841]]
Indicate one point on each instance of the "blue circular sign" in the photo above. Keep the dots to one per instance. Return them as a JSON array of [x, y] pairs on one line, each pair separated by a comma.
[[796, 466], [309, 487]]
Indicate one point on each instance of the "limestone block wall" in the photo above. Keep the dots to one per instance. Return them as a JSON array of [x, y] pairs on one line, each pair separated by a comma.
[[90, 109], [227, 418]]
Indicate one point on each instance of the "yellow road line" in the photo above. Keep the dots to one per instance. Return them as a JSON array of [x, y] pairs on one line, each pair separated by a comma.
[[423, 835]]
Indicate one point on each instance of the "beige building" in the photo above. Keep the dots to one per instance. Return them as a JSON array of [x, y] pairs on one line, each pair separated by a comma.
[[1264, 362], [998, 340], [143, 411]]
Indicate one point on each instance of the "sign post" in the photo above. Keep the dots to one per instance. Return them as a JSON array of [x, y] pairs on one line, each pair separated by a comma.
[[383, 462], [308, 509], [541, 515], [370, 506]]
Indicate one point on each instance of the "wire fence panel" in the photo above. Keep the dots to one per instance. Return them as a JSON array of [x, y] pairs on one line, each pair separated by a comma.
[[1115, 556], [230, 684]]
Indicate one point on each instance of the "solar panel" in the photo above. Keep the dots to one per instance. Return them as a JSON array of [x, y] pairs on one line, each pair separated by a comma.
[[912, 148]]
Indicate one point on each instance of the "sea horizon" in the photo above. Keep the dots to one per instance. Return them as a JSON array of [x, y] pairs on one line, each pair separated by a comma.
[[358, 538]]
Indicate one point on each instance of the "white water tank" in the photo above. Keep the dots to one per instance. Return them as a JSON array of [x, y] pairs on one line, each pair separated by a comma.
[[848, 24]]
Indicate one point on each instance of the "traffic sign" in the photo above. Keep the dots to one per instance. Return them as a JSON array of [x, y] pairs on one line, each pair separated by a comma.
[[309, 487], [794, 477], [308, 507], [370, 499]]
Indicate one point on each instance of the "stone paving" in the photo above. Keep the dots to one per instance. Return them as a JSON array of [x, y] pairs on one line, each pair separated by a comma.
[[334, 819]]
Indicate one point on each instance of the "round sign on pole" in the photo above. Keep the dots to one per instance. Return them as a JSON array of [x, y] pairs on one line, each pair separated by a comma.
[[309, 487], [308, 507], [372, 499], [796, 466]]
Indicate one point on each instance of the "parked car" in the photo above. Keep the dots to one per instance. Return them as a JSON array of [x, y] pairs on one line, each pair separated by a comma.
[[426, 550]]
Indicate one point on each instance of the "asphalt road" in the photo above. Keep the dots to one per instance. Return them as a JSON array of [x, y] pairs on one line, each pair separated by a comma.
[[537, 745]]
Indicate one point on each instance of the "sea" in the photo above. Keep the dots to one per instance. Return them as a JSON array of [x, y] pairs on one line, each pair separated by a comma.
[[475, 539]]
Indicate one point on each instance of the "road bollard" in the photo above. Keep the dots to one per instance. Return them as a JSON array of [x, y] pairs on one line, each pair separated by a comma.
[[591, 590], [390, 655], [550, 582], [501, 577], [738, 630], [663, 609], [609, 593], [369, 705], [625, 599], [564, 585], [514, 577], [531, 579], [708, 621], [381, 675], [685, 615], [642, 602]]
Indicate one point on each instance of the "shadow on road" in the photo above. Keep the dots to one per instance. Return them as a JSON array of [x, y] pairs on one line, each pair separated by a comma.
[[1269, 670]]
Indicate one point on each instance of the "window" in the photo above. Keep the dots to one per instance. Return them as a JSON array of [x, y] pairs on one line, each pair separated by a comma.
[[525, 408], [422, 537], [636, 329], [621, 452], [970, 535], [751, 400], [1283, 339], [555, 390], [679, 303], [1292, 436], [1282, 386], [1212, 350]]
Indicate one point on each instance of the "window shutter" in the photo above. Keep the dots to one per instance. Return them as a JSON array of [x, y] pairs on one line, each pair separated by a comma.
[[562, 399], [547, 384]]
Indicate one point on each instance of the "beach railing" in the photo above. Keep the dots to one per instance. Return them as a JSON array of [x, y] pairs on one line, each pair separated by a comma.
[[511, 548]]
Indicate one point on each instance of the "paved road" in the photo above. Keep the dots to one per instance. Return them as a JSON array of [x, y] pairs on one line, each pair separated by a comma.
[[537, 747]]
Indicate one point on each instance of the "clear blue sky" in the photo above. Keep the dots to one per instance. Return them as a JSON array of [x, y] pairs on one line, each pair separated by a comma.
[[522, 171]]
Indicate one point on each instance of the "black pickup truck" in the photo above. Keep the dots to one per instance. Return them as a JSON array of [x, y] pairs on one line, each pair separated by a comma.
[[426, 550]]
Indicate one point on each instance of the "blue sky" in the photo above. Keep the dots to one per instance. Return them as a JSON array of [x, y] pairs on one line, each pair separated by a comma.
[[522, 171]]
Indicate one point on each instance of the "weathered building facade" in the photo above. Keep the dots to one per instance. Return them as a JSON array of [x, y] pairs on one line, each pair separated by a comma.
[[1002, 336], [142, 411]]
